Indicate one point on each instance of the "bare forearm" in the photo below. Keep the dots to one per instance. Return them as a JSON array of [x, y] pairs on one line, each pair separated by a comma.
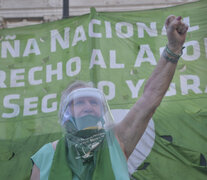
[[137, 119], [159, 81], [130, 130]]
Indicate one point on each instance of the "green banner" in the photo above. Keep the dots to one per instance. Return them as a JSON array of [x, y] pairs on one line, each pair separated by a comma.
[[117, 53]]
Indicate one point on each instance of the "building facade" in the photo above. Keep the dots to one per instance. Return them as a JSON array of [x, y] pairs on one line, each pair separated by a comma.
[[15, 13]]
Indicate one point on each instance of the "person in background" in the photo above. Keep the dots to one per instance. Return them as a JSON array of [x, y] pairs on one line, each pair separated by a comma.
[[92, 146]]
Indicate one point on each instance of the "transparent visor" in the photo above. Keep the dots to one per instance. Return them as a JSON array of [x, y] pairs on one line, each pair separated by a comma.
[[86, 108]]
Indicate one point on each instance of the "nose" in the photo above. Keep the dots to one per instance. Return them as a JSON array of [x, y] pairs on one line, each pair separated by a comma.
[[88, 106]]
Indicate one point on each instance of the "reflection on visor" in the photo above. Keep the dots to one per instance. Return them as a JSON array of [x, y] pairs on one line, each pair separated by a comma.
[[86, 108], [85, 92]]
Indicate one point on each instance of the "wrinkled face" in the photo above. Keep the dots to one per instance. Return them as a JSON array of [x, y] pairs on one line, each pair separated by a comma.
[[86, 106]]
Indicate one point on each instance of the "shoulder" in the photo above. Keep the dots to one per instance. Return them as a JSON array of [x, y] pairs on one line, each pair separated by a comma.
[[42, 160], [44, 149], [54, 144], [44, 154]]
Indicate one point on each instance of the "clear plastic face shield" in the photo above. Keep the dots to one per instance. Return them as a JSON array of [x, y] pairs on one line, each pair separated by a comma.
[[86, 108], [87, 121]]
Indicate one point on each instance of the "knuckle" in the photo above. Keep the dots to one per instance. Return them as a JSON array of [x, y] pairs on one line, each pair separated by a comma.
[[171, 18]]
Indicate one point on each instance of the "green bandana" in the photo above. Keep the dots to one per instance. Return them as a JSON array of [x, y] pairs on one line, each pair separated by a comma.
[[65, 164], [84, 142]]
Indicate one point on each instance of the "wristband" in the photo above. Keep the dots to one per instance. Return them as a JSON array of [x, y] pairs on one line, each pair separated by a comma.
[[174, 57], [173, 54]]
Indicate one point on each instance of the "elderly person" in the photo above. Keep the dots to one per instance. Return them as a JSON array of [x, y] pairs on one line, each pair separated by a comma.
[[92, 146]]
